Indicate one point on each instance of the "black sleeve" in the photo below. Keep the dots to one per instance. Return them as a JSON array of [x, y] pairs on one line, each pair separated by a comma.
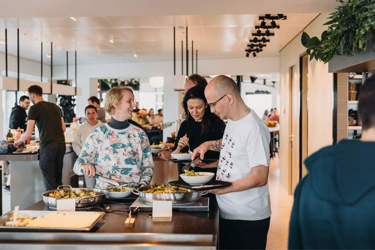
[[16, 120], [218, 128], [33, 113], [181, 132]]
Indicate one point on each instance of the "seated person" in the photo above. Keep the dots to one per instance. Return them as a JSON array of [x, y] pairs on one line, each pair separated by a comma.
[[154, 119], [117, 152], [158, 121], [83, 132], [200, 125], [141, 119]]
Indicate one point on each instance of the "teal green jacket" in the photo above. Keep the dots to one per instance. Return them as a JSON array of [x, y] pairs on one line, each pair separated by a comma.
[[334, 204]]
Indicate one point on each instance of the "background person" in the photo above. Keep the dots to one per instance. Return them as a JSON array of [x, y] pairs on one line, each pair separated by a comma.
[[93, 100], [332, 206], [244, 160], [51, 126], [117, 153], [18, 115], [82, 133], [159, 119], [274, 115], [194, 80]]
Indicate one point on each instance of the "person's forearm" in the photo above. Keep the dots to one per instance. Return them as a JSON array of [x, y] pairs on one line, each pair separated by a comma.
[[248, 182], [258, 177], [214, 145], [27, 135], [77, 148]]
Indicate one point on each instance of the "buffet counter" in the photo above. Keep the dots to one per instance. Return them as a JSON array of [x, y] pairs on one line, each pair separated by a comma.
[[26, 177], [187, 230]]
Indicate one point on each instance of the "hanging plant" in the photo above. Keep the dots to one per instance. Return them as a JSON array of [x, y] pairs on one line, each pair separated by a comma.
[[351, 27]]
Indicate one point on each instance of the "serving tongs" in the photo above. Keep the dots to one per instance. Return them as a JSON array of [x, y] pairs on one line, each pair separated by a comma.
[[130, 220], [191, 165]]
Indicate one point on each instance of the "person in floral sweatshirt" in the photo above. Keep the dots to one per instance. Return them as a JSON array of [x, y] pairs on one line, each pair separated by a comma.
[[117, 153]]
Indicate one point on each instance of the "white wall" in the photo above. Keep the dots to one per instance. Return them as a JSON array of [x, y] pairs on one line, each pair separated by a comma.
[[261, 102], [29, 70], [320, 97]]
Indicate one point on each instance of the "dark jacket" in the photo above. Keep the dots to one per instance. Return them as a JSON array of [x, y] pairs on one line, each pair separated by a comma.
[[194, 131], [334, 205], [18, 118]]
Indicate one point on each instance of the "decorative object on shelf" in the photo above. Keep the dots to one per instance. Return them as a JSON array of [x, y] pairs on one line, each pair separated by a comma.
[[67, 104], [64, 82], [106, 84], [256, 44], [350, 30], [132, 83]]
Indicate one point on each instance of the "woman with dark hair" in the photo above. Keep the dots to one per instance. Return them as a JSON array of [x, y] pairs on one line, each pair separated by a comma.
[[199, 126]]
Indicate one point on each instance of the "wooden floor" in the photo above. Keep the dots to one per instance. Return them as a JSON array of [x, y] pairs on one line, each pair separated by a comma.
[[281, 205]]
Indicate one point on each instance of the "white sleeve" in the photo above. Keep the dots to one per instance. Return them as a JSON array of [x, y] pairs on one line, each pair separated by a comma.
[[258, 148], [76, 143]]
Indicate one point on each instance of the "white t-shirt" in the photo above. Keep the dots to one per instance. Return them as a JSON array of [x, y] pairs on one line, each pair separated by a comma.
[[245, 145]]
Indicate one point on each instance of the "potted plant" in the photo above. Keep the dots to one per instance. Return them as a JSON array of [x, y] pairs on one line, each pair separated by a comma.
[[67, 104], [351, 28]]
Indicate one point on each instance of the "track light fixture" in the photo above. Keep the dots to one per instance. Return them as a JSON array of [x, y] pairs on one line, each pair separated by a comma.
[[259, 33], [255, 40], [281, 16], [274, 25], [264, 40], [258, 39], [263, 25], [253, 79], [256, 45], [273, 17]]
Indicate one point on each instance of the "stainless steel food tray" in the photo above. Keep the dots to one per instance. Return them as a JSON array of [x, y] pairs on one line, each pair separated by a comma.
[[37, 213]]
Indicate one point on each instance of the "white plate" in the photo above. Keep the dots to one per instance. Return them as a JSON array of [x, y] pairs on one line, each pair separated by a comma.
[[199, 179], [183, 156]]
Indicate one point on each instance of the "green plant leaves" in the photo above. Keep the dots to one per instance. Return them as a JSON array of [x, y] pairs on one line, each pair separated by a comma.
[[350, 28]]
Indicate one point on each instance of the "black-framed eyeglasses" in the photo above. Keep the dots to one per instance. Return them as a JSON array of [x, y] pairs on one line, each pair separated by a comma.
[[212, 104]]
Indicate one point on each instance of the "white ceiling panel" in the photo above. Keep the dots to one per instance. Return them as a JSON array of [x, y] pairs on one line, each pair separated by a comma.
[[117, 39]]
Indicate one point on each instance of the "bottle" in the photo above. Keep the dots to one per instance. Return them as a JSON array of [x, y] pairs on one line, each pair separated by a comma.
[[9, 136]]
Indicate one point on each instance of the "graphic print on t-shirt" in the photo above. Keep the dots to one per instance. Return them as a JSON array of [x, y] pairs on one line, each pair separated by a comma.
[[226, 162]]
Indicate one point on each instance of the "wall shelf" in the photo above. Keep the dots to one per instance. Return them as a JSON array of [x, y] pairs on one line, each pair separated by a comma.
[[354, 128], [352, 102]]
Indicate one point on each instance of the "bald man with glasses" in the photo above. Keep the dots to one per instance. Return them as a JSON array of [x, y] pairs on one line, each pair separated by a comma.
[[244, 161]]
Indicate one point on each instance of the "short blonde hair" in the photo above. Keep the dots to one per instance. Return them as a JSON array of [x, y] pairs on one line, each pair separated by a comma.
[[114, 97]]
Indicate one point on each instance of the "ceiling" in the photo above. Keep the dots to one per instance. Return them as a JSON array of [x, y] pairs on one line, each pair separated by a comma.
[[118, 31]]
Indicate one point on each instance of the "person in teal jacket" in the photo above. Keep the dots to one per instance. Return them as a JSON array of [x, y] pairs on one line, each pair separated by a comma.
[[334, 204]]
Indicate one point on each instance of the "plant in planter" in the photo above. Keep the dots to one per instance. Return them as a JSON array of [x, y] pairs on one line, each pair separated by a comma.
[[67, 104], [351, 27], [132, 83]]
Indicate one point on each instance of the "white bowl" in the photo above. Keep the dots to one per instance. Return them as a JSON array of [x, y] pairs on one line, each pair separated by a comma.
[[155, 150], [117, 195], [182, 156], [199, 179]]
